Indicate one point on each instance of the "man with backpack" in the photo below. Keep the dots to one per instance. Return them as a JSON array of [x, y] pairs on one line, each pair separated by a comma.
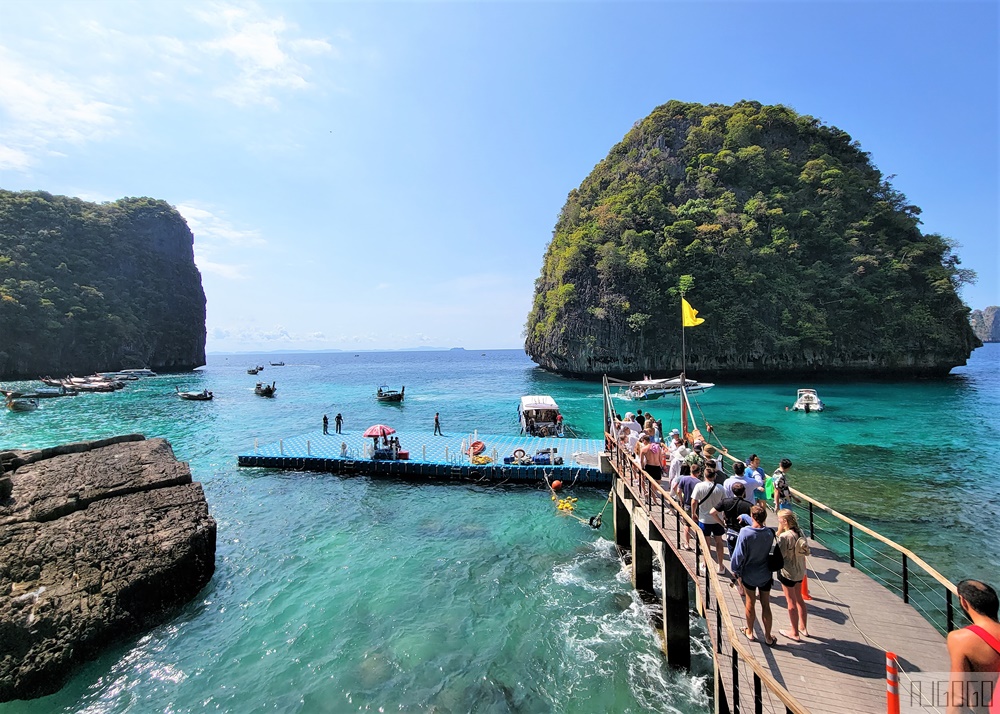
[[732, 508]]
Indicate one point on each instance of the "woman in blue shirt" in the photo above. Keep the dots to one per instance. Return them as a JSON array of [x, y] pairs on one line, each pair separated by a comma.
[[749, 565]]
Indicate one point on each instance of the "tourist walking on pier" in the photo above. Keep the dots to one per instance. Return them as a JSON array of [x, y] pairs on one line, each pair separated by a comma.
[[651, 457], [681, 489], [437, 424], [755, 471], [732, 508], [326, 424], [794, 549], [749, 565], [782, 490], [704, 499], [338, 422], [976, 648]]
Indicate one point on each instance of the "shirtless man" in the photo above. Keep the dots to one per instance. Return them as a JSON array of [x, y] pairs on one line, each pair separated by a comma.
[[975, 650]]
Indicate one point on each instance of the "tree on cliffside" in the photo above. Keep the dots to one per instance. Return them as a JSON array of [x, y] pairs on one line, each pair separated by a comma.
[[804, 255], [87, 286]]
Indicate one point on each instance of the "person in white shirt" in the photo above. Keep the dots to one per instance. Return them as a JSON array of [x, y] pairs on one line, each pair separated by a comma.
[[705, 497], [744, 476], [629, 422]]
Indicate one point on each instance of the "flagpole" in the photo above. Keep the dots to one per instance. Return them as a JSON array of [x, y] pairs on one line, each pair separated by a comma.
[[684, 430]]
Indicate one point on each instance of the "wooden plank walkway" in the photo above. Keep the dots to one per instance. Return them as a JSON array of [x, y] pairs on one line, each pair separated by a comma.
[[853, 621]]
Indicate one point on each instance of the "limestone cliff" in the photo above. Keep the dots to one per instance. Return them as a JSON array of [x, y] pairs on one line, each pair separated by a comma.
[[985, 324], [86, 287], [804, 258], [98, 541]]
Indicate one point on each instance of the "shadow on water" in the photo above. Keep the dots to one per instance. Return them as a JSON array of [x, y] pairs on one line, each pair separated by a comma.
[[752, 432]]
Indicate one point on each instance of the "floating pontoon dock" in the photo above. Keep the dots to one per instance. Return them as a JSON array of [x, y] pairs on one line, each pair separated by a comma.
[[435, 457]]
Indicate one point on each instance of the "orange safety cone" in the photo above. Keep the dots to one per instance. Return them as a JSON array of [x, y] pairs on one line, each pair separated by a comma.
[[891, 683], [805, 587]]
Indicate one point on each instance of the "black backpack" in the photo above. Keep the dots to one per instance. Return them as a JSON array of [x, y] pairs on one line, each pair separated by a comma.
[[775, 560]]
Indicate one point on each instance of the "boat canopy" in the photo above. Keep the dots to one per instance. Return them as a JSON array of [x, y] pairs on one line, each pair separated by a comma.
[[535, 402]]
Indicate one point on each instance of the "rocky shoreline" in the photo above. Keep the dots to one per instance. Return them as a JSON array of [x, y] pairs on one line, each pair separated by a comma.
[[99, 541]]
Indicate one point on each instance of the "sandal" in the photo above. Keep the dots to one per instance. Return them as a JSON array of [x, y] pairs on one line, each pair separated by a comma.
[[748, 633], [771, 642], [789, 635]]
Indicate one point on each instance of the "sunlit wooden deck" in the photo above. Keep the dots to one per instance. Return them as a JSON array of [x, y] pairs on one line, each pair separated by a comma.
[[853, 622]]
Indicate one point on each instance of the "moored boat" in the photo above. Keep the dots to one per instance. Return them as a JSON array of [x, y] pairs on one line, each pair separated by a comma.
[[384, 394], [645, 389], [202, 396], [22, 404], [539, 416], [806, 400], [144, 372], [265, 390]]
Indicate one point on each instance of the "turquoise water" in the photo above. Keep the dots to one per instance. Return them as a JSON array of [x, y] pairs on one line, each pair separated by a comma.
[[350, 594]]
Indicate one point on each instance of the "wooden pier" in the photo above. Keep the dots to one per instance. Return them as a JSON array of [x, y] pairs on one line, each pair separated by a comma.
[[863, 606], [437, 457]]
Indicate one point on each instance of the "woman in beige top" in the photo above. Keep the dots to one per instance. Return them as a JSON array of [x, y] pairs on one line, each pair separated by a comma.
[[794, 549]]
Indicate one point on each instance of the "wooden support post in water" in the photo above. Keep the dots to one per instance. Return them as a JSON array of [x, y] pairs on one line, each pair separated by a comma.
[[676, 625], [642, 562], [623, 524]]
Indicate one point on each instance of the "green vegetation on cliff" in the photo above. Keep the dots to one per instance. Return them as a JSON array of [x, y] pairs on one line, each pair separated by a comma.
[[804, 256], [87, 286]]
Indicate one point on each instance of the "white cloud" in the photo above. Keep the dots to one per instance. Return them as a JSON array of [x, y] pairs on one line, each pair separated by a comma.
[[44, 107], [79, 81], [257, 335], [229, 272], [214, 237], [261, 50], [212, 228]]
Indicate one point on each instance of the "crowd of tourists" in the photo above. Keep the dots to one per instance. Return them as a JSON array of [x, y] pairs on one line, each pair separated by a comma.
[[731, 509], [734, 508]]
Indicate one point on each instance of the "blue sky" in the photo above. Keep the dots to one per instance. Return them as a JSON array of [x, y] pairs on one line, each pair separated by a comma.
[[387, 175]]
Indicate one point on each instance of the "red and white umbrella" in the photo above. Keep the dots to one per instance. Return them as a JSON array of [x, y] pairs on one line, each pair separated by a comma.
[[377, 430]]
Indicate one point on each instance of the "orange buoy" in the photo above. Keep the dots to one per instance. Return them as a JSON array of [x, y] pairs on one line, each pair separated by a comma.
[[477, 448], [556, 485]]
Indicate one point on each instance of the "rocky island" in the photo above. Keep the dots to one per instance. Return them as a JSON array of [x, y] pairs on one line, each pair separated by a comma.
[[805, 259], [985, 323], [98, 541], [96, 286]]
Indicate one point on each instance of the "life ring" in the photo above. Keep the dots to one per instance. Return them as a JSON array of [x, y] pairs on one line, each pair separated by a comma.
[[477, 447], [518, 453]]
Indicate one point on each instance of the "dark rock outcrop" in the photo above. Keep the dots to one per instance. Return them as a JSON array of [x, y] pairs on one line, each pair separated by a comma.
[[98, 541], [803, 257], [87, 286], [985, 324]]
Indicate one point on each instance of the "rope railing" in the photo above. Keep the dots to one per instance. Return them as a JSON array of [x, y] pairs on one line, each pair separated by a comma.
[[897, 568], [732, 659]]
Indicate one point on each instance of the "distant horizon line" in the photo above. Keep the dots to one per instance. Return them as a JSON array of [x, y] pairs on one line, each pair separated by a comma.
[[369, 349]]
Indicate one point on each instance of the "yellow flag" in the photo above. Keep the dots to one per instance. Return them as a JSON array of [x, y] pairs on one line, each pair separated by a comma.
[[689, 314]]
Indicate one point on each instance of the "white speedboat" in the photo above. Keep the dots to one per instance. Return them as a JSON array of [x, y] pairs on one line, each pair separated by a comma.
[[645, 389], [202, 396], [144, 372], [807, 401], [539, 416]]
